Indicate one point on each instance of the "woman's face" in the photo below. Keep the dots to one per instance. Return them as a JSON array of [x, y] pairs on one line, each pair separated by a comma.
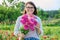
[[29, 9]]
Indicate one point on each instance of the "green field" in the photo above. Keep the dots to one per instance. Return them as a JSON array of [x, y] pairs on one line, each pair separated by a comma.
[[50, 33]]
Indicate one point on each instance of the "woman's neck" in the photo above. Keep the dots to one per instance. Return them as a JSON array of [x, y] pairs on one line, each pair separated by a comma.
[[30, 15]]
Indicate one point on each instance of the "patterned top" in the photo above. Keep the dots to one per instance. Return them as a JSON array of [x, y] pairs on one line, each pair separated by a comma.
[[30, 33]]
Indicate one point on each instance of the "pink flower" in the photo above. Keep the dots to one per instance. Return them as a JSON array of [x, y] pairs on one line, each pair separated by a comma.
[[31, 25], [28, 23], [34, 21], [32, 28], [26, 27], [23, 22], [24, 16]]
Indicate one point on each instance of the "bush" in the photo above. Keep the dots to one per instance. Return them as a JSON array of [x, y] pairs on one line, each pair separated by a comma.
[[9, 13]]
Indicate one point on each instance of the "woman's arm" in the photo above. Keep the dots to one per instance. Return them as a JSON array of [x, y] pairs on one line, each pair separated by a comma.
[[39, 27], [16, 29]]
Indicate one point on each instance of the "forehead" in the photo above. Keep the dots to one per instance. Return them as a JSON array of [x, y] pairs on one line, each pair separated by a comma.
[[29, 5]]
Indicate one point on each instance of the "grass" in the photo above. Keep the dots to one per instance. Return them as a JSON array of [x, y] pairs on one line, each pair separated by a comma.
[[51, 31], [51, 22]]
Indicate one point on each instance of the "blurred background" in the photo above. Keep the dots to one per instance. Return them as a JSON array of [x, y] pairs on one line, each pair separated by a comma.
[[48, 11]]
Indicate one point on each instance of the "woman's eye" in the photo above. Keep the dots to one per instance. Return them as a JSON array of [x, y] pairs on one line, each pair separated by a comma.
[[30, 7]]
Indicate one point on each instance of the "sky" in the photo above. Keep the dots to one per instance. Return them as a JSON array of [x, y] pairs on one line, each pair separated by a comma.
[[45, 4]]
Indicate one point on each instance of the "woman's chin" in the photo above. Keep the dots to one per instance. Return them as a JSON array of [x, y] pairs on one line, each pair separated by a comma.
[[30, 12]]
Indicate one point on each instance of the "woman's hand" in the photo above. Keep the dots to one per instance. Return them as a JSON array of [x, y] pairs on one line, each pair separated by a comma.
[[38, 28], [21, 35]]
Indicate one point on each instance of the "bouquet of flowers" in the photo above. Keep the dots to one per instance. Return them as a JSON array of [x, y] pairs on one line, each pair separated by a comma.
[[28, 24]]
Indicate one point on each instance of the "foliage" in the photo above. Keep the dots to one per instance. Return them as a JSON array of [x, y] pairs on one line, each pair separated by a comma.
[[9, 13], [49, 34]]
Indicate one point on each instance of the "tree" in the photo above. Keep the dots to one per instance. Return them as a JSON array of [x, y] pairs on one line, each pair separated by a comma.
[[10, 1]]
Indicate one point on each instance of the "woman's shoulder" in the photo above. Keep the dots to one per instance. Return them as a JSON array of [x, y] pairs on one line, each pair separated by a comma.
[[19, 17], [38, 18]]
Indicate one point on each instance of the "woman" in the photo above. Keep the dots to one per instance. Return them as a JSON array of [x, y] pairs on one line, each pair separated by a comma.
[[31, 11]]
